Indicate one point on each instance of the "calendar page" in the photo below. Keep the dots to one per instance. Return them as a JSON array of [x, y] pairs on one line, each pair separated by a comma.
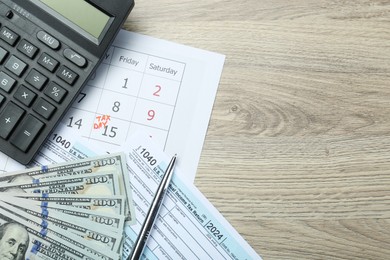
[[150, 85], [145, 84]]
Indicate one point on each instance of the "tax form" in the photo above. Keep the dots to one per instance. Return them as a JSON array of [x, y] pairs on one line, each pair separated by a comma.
[[188, 226]]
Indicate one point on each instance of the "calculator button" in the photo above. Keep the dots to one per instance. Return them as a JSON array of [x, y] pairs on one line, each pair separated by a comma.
[[27, 49], [9, 36], [55, 92], [25, 134], [74, 57], [44, 108], [36, 79], [24, 95], [3, 54], [67, 75], [9, 14], [6, 82], [48, 62], [9, 118], [48, 40], [2, 98], [15, 65]]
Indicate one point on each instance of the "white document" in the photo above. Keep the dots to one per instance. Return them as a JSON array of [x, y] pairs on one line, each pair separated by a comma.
[[145, 84], [187, 226], [167, 91]]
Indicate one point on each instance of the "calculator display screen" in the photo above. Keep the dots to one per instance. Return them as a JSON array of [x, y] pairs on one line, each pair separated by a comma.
[[80, 13]]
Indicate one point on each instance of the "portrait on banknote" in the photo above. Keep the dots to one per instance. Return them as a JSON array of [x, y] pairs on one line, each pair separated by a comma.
[[14, 241]]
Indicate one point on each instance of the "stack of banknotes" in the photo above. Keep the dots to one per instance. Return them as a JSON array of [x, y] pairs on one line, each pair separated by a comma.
[[72, 210]]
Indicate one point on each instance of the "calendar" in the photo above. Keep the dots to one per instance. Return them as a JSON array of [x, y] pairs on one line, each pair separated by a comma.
[[130, 92], [149, 85], [158, 87]]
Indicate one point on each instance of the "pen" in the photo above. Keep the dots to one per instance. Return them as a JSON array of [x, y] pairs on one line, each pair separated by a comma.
[[152, 213]]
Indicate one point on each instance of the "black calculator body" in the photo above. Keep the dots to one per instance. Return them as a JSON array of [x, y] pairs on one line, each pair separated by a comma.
[[48, 51]]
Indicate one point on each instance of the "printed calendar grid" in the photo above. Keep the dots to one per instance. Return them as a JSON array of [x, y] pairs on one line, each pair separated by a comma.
[[186, 127], [119, 113]]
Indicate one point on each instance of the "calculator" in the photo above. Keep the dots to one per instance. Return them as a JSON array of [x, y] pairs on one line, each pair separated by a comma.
[[48, 51]]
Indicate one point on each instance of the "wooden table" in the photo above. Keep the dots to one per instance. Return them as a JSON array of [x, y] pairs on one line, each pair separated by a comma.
[[297, 155]]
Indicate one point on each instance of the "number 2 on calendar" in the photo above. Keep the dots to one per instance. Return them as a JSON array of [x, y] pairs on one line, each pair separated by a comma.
[[157, 92]]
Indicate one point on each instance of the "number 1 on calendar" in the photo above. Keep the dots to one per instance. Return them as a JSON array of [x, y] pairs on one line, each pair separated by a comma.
[[125, 85]]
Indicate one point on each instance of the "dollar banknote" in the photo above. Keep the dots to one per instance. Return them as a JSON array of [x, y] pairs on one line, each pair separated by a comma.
[[75, 210], [37, 239], [98, 203], [114, 220], [87, 184], [107, 164], [108, 237]]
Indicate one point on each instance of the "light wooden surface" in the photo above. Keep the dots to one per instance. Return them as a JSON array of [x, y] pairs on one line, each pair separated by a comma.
[[297, 155]]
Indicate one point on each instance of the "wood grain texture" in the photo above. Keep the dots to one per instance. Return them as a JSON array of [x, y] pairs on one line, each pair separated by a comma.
[[297, 155]]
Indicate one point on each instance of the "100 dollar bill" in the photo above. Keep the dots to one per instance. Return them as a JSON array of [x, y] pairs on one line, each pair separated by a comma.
[[98, 203], [107, 237], [110, 163], [41, 241], [100, 219], [87, 184]]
